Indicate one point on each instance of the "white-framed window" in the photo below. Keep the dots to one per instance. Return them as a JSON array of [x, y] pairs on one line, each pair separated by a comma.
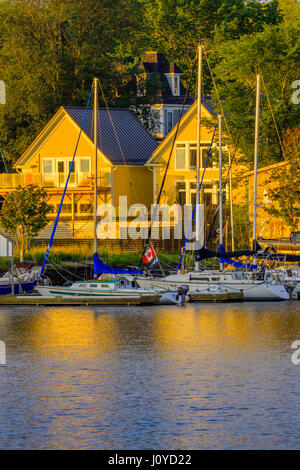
[[186, 155], [170, 119], [55, 171], [176, 85], [62, 165], [192, 156], [73, 167], [47, 166], [180, 157], [185, 192], [84, 165]]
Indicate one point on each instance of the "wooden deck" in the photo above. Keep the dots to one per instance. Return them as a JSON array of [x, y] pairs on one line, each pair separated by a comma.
[[86, 301], [217, 297]]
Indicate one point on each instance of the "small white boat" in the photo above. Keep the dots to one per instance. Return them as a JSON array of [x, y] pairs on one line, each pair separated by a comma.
[[229, 281], [116, 288]]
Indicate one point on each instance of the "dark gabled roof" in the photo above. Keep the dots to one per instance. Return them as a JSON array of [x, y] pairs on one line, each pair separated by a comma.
[[136, 143], [207, 103], [156, 63]]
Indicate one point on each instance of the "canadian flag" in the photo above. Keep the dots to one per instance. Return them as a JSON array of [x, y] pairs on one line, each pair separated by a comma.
[[149, 255]]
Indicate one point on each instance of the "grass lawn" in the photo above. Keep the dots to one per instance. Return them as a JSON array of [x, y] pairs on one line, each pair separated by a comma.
[[63, 255]]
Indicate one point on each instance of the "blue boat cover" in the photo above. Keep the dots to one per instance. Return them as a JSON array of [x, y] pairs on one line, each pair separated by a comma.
[[236, 264], [6, 289], [101, 268]]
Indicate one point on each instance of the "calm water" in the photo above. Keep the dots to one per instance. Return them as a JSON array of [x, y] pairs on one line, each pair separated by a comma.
[[193, 377]]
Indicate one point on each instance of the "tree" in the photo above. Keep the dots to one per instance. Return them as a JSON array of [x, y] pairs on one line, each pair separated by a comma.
[[145, 90], [50, 52], [290, 10], [24, 215], [274, 53], [176, 27], [286, 193]]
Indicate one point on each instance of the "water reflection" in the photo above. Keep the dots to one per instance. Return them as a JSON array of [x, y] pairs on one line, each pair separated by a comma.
[[200, 376]]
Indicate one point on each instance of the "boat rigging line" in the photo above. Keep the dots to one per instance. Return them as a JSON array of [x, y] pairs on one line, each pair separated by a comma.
[[167, 166], [65, 189], [195, 204]]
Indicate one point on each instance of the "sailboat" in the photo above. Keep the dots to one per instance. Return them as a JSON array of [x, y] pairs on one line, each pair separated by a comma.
[[253, 284], [20, 279]]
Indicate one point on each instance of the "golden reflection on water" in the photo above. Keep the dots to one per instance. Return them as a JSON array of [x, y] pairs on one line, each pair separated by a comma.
[[71, 332], [99, 376]]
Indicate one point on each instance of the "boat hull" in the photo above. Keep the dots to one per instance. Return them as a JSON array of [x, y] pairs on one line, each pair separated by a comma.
[[118, 295], [26, 288], [256, 290]]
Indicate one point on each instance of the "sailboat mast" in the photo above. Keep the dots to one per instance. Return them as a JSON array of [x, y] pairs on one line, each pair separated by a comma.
[[199, 198], [95, 84], [231, 202], [220, 186], [256, 156]]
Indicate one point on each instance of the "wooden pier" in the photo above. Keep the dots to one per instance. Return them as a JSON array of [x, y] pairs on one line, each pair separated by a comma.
[[76, 301], [217, 297]]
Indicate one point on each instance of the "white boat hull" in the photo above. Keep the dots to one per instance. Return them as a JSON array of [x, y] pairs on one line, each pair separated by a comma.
[[252, 290], [165, 298], [65, 292]]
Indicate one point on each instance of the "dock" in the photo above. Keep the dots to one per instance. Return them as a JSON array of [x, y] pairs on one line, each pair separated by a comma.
[[217, 297], [38, 300]]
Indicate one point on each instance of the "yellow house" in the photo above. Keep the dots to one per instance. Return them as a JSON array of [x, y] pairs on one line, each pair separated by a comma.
[[123, 148], [180, 183], [268, 227]]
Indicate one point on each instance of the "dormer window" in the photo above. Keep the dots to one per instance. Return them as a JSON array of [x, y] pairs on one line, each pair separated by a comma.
[[176, 85]]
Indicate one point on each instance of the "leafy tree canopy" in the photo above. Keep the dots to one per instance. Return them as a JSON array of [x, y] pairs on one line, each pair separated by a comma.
[[275, 54], [49, 53], [285, 189], [24, 215], [50, 50]]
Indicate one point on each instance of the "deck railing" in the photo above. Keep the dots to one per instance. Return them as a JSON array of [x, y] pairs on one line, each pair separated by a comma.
[[10, 181]]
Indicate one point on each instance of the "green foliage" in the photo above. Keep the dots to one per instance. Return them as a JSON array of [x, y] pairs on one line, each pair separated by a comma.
[[176, 27], [285, 195], [242, 227], [274, 53], [76, 254], [51, 50], [290, 10], [24, 215], [142, 96]]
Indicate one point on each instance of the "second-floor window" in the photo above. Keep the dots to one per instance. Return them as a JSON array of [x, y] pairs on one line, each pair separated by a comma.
[[180, 157], [55, 171], [186, 156], [82, 165]]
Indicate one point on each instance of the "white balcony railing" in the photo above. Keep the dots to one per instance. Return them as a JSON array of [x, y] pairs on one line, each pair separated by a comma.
[[10, 181]]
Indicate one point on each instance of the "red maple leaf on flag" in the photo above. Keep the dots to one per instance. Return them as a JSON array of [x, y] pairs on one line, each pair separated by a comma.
[[149, 255]]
